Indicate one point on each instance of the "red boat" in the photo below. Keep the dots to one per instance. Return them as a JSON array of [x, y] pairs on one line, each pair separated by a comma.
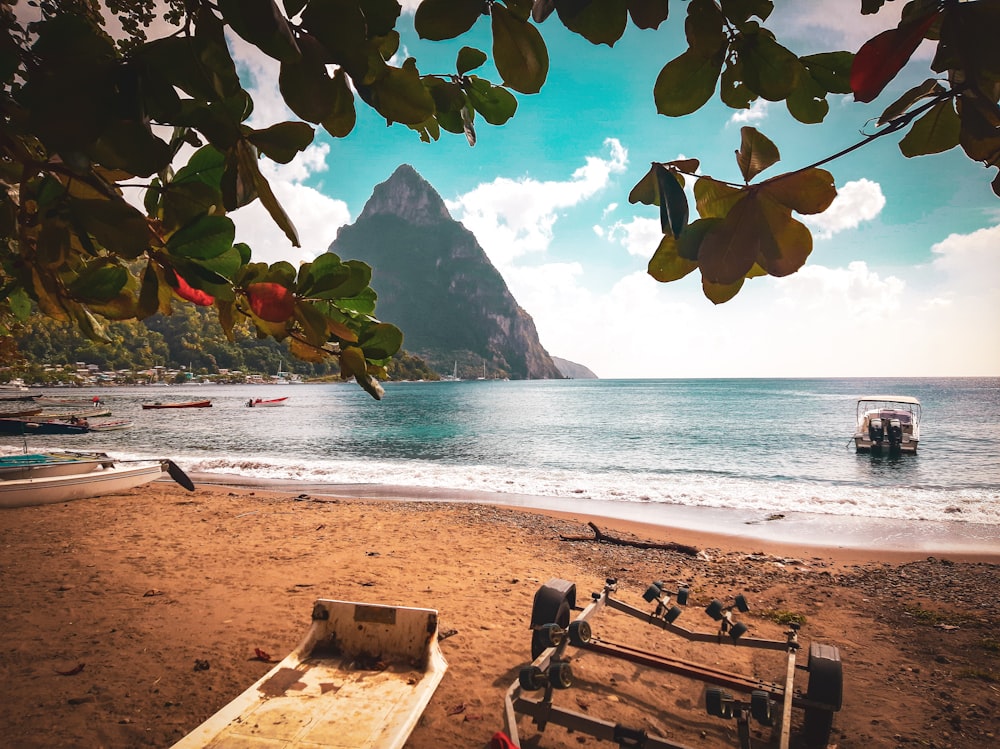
[[258, 402], [187, 404]]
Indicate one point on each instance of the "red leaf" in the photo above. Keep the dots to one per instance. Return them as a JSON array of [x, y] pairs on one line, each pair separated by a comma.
[[883, 56], [261, 655], [185, 291], [271, 301]]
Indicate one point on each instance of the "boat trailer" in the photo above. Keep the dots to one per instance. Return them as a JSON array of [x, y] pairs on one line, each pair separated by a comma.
[[769, 704]]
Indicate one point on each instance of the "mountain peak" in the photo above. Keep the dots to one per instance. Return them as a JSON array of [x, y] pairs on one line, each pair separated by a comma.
[[407, 195]]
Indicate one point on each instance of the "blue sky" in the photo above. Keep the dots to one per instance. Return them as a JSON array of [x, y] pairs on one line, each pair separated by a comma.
[[902, 280]]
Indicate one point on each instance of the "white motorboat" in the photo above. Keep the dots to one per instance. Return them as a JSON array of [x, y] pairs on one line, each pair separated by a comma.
[[88, 481], [887, 424]]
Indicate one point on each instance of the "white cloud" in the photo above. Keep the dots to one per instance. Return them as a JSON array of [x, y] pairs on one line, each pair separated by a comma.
[[512, 218], [640, 236], [756, 113], [857, 201]]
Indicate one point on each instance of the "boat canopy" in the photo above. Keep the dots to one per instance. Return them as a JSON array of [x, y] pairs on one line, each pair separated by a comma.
[[894, 398]]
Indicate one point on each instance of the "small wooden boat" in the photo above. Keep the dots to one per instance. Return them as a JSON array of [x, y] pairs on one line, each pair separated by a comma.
[[21, 414], [361, 677], [87, 413], [30, 426], [38, 465], [111, 425], [104, 479], [266, 402], [185, 404]]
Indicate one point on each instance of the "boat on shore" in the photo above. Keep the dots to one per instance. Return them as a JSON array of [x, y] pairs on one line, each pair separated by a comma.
[[32, 426], [184, 404], [107, 478], [361, 677], [111, 425], [887, 424], [266, 402], [87, 413], [40, 465]]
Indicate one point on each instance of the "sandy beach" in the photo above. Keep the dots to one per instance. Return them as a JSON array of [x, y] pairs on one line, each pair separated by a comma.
[[111, 602]]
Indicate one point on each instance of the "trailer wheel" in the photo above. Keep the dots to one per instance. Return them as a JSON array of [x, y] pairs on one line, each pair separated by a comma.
[[579, 633], [682, 596], [761, 707], [714, 609], [531, 678], [552, 605], [739, 629], [560, 675], [718, 703], [826, 685], [741, 603]]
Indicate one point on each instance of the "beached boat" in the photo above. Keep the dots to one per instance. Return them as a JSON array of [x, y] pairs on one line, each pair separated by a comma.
[[39, 465], [887, 424], [185, 404], [101, 480], [85, 413], [31, 426], [266, 402], [361, 677], [111, 425], [20, 414]]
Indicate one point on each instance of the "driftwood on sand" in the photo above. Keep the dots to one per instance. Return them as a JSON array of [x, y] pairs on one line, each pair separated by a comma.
[[603, 538]]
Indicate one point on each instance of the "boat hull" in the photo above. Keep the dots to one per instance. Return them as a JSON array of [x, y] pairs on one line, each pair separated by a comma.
[[41, 465], [26, 426], [190, 404], [331, 691], [865, 445], [54, 489]]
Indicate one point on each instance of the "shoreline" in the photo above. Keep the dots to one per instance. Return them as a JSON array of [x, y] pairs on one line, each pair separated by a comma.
[[856, 538]]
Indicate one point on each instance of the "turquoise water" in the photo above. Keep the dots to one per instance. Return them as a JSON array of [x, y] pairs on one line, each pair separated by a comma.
[[761, 446]]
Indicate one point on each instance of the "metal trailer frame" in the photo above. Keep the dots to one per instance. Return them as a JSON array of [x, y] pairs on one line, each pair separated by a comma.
[[770, 703]]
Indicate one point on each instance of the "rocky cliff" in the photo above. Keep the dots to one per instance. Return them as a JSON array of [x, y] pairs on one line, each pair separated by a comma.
[[436, 283]]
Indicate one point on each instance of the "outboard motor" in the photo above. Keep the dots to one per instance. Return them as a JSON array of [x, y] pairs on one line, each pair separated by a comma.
[[876, 432], [895, 434]]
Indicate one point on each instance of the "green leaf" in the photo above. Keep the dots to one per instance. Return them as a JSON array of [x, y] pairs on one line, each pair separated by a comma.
[[686, 83], [380, 341], [313, 322], [247, 161], [399, 95], [645, 190], [832, 70], [182, 202], [730, 249], [715, 199], [689, 243], [937, 130], [263, 25], [446, 19], [206, 237], [340, 27], [380, 16], [304, 84], [518, 51], [343, 118], [494, 103], [597, 22], [768, 68], [732, 90], [99, 282], [738, 11], [930, 87], [205, 165], [648, 14], [703, 29], [807, 101], [720, 293], [667, 265], [469, 59], [282, 141], [806, 192], [756, 153], [115, 224], [673, 202], [130, 145], [20, 304]]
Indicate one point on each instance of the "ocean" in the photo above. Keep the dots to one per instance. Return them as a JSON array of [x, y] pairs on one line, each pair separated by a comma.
[[720, 452]]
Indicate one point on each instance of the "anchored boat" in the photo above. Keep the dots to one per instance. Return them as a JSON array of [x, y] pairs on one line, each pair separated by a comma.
[[887, 424]]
